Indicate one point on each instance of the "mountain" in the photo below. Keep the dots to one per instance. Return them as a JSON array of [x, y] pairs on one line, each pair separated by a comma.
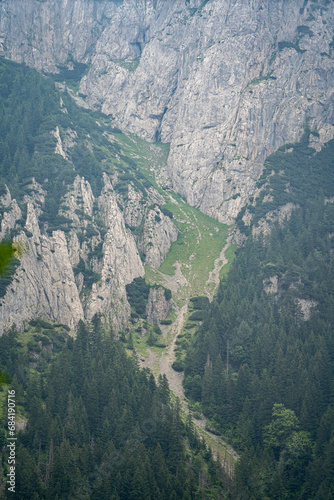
[[81, 211], [131, 133], [261, 362], [80, 200], [225, 83]]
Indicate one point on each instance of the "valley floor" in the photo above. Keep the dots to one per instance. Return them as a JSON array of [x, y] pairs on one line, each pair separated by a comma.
[[160, 362]]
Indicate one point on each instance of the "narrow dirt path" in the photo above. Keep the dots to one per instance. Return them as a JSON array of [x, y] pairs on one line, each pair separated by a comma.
[[219, 448], [168, 357]]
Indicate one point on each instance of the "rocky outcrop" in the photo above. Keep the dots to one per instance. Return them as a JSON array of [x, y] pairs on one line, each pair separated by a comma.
[[120, 263], [157, 305], [226, 83], [48, 282], [270, 285], [83, 267], [325, 134], [265, 224], [154, 231], [305, 308], [158, 234], [11, 214], [134, 210], [44, 283]]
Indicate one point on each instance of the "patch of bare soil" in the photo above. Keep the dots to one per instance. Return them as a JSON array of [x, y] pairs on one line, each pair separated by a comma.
[[177, 281]]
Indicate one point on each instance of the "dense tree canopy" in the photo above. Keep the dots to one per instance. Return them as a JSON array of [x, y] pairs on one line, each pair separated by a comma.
[[98, 427], [272, 322]]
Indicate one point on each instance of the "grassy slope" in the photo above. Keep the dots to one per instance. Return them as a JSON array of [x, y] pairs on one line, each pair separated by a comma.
[[200, 242], [200, 239]]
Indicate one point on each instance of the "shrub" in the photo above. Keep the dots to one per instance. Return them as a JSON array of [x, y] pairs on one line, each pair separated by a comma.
[[166, 212], [178, 366], [304, 30], [196, 316], [34, 346], [41, 323], [200, 303]]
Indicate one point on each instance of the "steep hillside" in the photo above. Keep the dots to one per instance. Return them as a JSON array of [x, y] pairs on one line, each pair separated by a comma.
[[61, 206], [225, 83], [94, 425], [80, 200], [261, 364]]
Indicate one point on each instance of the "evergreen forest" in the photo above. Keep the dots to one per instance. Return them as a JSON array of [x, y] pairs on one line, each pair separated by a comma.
[[98, 427], [261, 364]]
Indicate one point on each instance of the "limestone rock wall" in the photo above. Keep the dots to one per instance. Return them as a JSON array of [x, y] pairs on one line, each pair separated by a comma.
[[157, 305], [83, 268], [155, 231], [159, 232], [47, 284], [44, 283], [225, 82]]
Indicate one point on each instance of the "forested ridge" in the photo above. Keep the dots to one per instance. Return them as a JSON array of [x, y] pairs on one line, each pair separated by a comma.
[[261, 364]]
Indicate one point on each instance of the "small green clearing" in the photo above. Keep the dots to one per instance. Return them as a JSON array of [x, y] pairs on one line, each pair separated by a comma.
[[129, 65], [199, 243]]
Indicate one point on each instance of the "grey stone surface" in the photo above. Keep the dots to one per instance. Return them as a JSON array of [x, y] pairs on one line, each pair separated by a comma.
[[225, 82], [47, 283], [157, 305]]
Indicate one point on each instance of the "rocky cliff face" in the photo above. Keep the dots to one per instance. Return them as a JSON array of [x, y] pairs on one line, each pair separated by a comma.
[[157, 305], [71, 274], [154, 231], [226, 83]]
